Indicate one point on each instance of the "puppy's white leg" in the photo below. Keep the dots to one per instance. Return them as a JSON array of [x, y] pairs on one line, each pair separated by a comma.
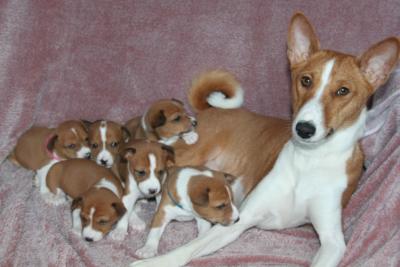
[[217, 237], [326, 218], [42, 174], [202, 226], [135, 222], [76, 222], [121, 229]]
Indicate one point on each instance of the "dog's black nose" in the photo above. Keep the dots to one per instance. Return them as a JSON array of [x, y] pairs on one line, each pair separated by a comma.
[[194, 123], [88, 239], [305, 129], [103, 162], [152, 191]]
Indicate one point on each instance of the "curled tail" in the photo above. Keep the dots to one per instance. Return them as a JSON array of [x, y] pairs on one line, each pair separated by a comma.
[[216, 88]]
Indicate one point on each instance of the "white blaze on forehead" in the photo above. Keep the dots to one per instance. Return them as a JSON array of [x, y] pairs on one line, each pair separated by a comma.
[[74, 131], [151, 183], [89, 231], [313, 111], [104, 153], [103, 131]]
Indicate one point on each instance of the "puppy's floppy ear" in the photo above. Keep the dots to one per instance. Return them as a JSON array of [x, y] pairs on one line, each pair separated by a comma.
[[77, 203], [302, 41], [126, 135], [170, 154], [378, 61], [127, 153], [229, 178], [119, 208], [86, 124], [52, 142], [158, 119], [199, 196]]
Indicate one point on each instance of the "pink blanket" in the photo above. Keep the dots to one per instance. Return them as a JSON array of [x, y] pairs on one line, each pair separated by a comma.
[[110, 59]]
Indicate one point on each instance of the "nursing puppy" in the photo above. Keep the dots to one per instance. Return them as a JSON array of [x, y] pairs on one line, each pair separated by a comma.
[[308, 168], [96, 191], [192, 193], [105, 140], [143, 169], [39, 148], [165, 121]]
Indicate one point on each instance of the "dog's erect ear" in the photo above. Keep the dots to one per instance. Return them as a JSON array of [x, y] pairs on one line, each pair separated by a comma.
[[52, 142], [128, 152], [302, 40], [200, 196], [170, 154], [229, 178], [77, 203], [86, 124], [158, 119], [119, 208], [126, 135], [378, 61]]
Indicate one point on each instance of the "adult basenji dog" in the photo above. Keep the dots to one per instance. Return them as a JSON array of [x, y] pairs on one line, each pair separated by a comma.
[[165, 121], [317, 160], [192, 193], [105, 140], [143, 168], [97, 195], [40, 147]]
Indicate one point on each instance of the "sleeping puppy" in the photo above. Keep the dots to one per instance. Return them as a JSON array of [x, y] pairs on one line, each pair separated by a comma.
[[192, 193], [105, 140], [39, 148], [96, 191], [142, 168], [166, 121]]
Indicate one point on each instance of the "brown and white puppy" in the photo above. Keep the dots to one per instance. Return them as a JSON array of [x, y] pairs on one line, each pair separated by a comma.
[[40, 147], [105, 140], [165, 121], [142, 168], [96, 191], [192, 193]]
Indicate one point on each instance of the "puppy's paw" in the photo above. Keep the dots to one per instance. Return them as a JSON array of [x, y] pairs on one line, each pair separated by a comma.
[[118, 234], [36, 182], [137, 224], [52, 199], [190, 138], [146, 252]]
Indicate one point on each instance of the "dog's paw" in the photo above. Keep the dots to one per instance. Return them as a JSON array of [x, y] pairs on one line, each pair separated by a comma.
[[137, 224], [146, 252], [53, 199], [190, 138], [118, 234], [36, 182]]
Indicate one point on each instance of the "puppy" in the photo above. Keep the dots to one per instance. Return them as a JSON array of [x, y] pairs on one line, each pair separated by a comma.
[[96, 191], [165, 121], [192, 193], [143, 170], [105, 140], [40, 147]]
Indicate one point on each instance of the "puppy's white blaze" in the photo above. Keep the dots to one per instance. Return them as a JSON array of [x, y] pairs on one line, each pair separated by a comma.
[[151, 183], [83, 152], [313, 110], [235, 212], [143, 122], [89, 232], [104, 183], [182, 185], [219, 100], [74, 131]]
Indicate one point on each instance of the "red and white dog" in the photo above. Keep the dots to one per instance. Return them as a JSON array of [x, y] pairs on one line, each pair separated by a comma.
[[319, 164]]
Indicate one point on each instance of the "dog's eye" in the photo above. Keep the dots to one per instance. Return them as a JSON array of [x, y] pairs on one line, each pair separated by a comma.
[[87, 140], [94, 145], [71, 146], [114, 144], [342, 91], [306, 81], [103, 222], [140, 173], [177, 119], [220, 207]]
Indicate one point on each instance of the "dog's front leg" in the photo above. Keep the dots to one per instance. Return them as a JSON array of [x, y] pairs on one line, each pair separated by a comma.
[[326, 218], [121, 229]]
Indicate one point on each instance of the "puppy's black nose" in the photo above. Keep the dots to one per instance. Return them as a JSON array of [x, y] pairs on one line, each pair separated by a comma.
[[194, 123], [88, 239], [103, 162], [87, 155], [305, 129], [238, 218], [152, 191]]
